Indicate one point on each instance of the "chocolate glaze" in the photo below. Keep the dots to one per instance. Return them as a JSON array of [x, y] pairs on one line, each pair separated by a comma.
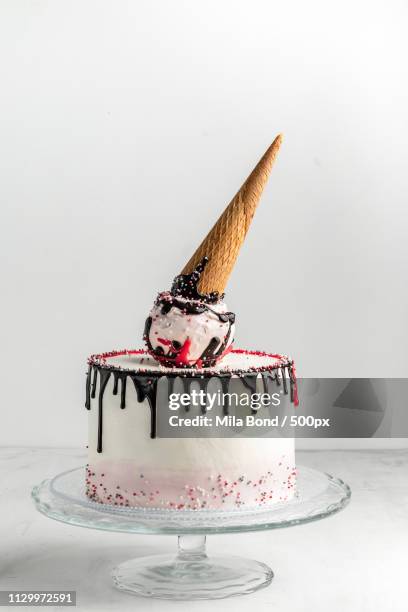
[[167, 301], [170, 382], [115, 383], [250, 383], [186, 285], [210, 351], [123, 390], [146, 389], [225, 386], [186, 387], [267, 379], [293, 387], [203, 386], [88, 388], [284, 382], [93, 390], [105, 376], [147, 327]]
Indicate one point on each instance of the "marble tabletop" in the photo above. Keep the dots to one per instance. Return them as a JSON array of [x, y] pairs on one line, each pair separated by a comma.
[[356, 560]]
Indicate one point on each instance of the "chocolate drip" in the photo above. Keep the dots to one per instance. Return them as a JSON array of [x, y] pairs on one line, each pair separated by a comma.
[[292, 391], [226, 339], [186, 387], [250, 383], [105, 375], [146, 389], [147, 327], [293, 386], [266, 377], [120, 376], [115, 383], [88, 389], [209, 353], [203, 386], [123, 379], [284, 381], [225, 385], [186, 286], [170, 383], [168, 302], [95, 378]]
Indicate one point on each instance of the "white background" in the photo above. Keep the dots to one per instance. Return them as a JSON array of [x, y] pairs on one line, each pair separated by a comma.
[[126, 127]]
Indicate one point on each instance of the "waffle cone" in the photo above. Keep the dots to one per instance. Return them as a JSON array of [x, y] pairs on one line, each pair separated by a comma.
[[223, 242]]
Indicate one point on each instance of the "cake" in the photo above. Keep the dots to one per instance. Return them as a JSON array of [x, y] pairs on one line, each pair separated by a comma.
[[189, 339]]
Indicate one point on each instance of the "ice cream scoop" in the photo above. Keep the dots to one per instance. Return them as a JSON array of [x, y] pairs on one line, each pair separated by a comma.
[[190, 325], [188, 329]]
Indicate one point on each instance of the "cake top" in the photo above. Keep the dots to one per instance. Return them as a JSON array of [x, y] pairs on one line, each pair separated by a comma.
[[238, 362]]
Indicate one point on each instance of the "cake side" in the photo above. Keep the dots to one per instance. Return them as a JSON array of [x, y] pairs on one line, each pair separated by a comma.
[[126, 467]]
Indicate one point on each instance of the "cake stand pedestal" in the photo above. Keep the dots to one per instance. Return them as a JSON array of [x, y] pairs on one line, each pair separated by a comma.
[[190, 574]]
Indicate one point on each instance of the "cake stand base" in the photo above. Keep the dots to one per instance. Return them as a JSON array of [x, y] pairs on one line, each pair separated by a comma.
[[191, 574]]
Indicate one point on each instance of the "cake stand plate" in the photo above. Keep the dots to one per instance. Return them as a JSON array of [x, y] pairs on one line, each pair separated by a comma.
[[190, 574]]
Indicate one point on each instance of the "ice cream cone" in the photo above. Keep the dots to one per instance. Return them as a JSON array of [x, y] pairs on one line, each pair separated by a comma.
[[223, 242]]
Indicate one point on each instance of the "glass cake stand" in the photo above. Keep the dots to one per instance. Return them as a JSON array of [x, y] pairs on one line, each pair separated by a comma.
[[190, 574]]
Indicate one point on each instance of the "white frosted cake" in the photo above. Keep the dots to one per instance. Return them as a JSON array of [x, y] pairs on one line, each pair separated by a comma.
[[129, 466], [189, 337]]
